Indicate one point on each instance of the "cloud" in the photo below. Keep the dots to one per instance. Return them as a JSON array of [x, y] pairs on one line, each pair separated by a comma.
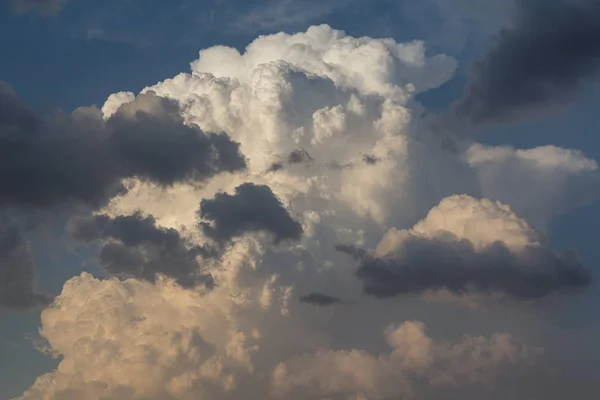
[[538, 183], [128, 339], [158, 336], [299, 156], [252, 208], [539, 60], [355, 374], [468, 245], [319, 299], [17, 275], [42, 7], [80, 159], [135, 246], [160, 341]]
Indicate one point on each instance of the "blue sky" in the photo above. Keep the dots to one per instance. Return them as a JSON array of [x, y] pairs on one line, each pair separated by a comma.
[[93, 49]]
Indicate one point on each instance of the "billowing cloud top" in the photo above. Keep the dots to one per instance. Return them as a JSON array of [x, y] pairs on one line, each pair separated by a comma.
[[218, 242]]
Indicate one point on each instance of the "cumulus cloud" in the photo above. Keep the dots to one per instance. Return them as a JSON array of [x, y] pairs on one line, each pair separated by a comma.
[[252, 208], [17, 275], [539, 60], [128, 339], [374, 164], [538, 183], [79, 158], [42, 7], [464, 245], [355, 374], [135, 246]]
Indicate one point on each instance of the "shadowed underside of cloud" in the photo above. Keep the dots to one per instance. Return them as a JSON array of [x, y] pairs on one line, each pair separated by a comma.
[[80, 159], [135, 246], [468, 245], [252, 208], [43, 7], [458, 268], [17, 277], [319, 299], [540, 60]]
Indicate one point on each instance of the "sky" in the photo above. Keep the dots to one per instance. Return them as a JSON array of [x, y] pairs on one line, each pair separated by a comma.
[[303, 200]]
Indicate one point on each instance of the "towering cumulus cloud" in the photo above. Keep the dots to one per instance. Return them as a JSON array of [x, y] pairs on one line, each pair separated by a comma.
[[541, 59], [216, 201]]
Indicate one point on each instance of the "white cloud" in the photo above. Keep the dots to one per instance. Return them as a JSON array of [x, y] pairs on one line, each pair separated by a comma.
[[538, 183], [373, 164], [415, 357]]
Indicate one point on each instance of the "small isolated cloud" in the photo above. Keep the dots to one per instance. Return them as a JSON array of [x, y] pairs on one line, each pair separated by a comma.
[[319, 299], [252, 208], [540, 60], [134, 246], [17, 275], [42, 7], [468, 245], [299, 156]]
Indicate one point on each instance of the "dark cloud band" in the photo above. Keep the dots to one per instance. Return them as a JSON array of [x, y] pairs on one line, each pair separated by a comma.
[[550, 48]]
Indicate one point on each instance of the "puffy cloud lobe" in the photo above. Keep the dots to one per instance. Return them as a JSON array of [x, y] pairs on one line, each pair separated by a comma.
[[128, 338], [17, 276], [43, 7], [252, 208], [319, 299], [466, 245], [355, 374], [79, 158], [135, 246], [538, 183], [373, 66], [550, 48]]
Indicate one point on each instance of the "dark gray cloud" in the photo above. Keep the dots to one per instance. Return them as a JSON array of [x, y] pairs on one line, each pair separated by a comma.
[[550, 48], [424, 264], [299, 156], [135, 246], [276, 166], [252, 208], [78, 158], [17, 274], [319, 299], [43, 7], [370, 159]]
